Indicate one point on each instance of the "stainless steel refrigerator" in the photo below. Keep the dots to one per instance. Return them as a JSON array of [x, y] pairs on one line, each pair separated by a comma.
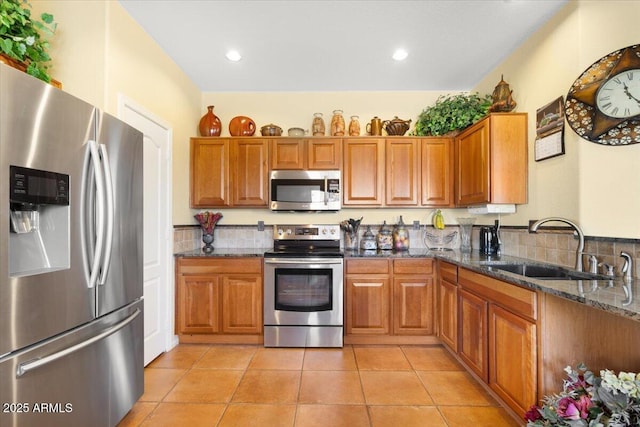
[[71, 308]]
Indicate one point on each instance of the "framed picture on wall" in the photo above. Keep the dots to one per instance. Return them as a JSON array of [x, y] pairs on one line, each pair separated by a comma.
[[550, 130]]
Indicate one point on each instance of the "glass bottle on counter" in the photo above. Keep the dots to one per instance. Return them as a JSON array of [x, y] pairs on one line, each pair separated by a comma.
[[400, 237], [385, 238], [368, 241]]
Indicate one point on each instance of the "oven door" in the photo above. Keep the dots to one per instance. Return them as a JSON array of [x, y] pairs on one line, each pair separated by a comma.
[[303, 292]]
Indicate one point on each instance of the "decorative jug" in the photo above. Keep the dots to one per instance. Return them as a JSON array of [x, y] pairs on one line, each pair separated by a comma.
[[375, 127], [210, 123], [396, 126]]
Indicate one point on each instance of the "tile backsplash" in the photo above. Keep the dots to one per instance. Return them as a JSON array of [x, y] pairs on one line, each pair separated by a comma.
[[553, 246]]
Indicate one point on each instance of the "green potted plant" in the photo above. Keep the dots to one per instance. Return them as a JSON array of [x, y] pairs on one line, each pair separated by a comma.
[[452, 113], [22, 38]]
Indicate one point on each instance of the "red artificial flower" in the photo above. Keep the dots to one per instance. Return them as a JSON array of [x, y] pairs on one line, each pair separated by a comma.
[[567, 408], [533, 414]]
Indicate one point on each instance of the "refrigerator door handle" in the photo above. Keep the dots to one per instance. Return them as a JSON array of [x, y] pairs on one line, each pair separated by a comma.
[[92, 266], [109, 208], [30, 365]]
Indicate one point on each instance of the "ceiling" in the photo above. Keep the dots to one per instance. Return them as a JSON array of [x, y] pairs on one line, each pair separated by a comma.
[[339, 45]]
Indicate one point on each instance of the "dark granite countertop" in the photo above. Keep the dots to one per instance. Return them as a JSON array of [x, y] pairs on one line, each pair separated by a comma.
[[223, 252], [614, 296]]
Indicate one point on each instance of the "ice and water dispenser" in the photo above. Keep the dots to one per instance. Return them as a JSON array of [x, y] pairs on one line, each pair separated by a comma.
[[39, 237]]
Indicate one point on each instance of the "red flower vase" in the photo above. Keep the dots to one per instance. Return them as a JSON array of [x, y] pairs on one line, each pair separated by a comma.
[[210, 123]]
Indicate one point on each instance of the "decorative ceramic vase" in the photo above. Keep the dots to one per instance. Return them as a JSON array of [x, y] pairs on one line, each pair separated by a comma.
[[207, 239], [317, 126], [337, 123], [210, 123], [354, 126]]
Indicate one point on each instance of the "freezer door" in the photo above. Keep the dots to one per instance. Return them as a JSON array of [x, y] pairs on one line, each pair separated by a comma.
[[46, 129], [91, 376], [122, 269]]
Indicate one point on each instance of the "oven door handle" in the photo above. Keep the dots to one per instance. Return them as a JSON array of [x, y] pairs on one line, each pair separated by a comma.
[[300, 261]]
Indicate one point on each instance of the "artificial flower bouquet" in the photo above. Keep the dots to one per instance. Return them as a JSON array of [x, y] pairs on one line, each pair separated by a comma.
[[589, 401], [208, 220]]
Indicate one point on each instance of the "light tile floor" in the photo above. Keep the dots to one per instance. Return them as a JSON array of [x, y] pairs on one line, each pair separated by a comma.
[[236, 385]]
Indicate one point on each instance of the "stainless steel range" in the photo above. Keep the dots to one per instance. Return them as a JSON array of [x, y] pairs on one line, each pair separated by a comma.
[[303, 280]]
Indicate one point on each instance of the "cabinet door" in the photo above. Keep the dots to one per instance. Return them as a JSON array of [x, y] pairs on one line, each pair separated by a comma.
[[402, 158], [288, 154], [472, 152], [324, 153], [473, 333], [209, 173], [367, 303], [363, 172], [448, 313], [242, 304], [250, 186], [198, 304], [413, 305], [437, 172], [512, 358]]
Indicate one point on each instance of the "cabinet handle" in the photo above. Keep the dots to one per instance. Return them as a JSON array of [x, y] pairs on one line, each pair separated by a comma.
[[367, 285]]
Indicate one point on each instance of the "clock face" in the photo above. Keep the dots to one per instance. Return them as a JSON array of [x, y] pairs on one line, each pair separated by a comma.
[[603, 104], [619, 97]]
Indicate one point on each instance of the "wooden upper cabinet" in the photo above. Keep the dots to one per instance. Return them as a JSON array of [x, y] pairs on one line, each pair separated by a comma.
[[324, 153], [402, 164], [250, 172], [437, 164], [491, 161], [302, 154], [288, 154], [209, 172], [363, 171]]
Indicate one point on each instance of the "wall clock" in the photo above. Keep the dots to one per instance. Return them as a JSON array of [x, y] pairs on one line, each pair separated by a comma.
[[603, 104]]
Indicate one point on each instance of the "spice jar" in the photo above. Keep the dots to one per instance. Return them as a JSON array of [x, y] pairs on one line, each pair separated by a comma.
[[400, 236], [368, 241], [385, 238]]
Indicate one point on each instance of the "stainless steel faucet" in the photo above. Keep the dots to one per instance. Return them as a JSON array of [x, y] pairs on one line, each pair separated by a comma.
[[534, 228], [627, 268]]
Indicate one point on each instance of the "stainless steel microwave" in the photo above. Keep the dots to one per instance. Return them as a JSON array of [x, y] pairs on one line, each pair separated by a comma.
[[306, 191]]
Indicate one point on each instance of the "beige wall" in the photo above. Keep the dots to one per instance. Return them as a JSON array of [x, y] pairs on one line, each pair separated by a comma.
[[598, 186], [100, 52]]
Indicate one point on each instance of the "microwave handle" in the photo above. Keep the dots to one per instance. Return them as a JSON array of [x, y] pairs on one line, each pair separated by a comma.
[[326, 190]]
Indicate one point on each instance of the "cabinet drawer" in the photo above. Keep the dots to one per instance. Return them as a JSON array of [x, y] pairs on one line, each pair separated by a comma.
[[413, 266], [518, 300], [249, 265], [448, 272], [367, 266]]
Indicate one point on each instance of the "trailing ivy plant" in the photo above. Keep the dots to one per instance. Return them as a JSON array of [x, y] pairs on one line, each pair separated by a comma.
[[23, 38], [452, 113]]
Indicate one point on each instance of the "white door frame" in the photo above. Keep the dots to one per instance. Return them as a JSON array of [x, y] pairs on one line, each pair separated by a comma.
[[168, 297]]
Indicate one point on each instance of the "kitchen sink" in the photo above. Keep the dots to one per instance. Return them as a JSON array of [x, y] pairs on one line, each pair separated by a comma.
[[545, 272]]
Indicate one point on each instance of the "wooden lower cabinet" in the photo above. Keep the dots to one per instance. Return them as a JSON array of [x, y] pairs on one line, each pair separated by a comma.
[[473, 333], [513, 358], [447, 305], [219, 300], [497, 340], [389, 301]]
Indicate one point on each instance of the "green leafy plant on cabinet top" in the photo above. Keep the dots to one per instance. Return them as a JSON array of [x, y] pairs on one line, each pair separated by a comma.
[[22, 37], [452, 113]]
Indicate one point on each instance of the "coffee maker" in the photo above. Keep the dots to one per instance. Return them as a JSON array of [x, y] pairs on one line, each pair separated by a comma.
[[490, 239]]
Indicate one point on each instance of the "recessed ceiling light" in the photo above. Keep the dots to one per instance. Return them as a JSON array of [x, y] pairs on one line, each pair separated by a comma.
[[400, 55], [233, 55]]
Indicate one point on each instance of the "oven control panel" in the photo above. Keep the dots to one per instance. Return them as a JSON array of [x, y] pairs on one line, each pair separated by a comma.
[[306, 232]]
